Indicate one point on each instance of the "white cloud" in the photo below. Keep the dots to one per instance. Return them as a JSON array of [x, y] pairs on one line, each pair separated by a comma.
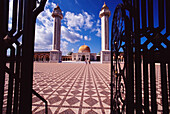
[[76, 2], [46, 19], [64, 46], [98, 23], [43, 38], [88, 20], [72, 49], [98, 32], [71, 31], [86, 38], [53, 5], [44, 30], [97, 29], [73, 20], [70, 35], [81, 20]]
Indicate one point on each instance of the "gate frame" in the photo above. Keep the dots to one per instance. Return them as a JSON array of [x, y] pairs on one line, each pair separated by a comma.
[[133, 47], [20, 58]]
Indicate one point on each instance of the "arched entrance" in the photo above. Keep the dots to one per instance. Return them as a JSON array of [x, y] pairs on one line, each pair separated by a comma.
[[83, 58], [47, 58], [42, 58], [36, 59]]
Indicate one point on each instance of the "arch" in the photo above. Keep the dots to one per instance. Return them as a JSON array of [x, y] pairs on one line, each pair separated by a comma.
[[83, 58], [41, 57], [36, 57], [47, 58], [92, 57]]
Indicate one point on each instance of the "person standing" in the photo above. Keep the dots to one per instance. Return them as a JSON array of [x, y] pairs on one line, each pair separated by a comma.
[[86, 61], [89, 62]]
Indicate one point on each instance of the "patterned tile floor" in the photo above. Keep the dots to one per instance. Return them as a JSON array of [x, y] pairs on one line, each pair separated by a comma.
[[76, 88], [72, 88]]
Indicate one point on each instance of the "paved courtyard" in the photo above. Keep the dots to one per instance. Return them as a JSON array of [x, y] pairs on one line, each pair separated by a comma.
[[72, 88], [76, 88]]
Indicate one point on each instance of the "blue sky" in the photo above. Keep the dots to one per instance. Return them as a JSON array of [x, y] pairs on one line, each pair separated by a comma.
[[80, 24]]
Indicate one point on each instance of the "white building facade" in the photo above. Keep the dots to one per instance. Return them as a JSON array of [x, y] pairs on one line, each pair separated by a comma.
[[83, 54]]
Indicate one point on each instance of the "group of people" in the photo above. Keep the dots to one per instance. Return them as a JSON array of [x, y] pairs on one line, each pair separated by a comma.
[[87, 61]]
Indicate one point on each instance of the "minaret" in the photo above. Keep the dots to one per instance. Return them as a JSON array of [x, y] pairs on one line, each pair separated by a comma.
[[104, 15], [55, 53]]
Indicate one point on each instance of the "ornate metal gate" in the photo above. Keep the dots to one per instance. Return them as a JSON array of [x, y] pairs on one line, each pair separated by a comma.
[[135, 85], [16, 54]]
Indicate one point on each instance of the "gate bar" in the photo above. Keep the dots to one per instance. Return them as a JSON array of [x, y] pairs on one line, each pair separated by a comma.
[[46, 103], [164, 88], [143, 10], [4, 7], [161, 14], [27, 55], [137, 58], [153, 88], [20, 15], [150, 14], [169, 77], [130, 68], [167, 16], [145, 79], [10, 82], [18, 72]]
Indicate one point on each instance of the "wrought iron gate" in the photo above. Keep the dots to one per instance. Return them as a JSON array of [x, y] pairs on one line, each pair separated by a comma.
[[135, 85], [16, 54]]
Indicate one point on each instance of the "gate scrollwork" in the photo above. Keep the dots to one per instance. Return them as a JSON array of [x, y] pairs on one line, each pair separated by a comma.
[[118, 50]]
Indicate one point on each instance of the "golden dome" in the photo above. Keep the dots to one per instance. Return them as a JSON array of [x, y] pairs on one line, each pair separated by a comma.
[[84, 48], [104, 6]]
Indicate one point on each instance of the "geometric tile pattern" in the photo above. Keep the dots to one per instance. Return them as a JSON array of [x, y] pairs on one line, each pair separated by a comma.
[[74, 88], [78, 88]]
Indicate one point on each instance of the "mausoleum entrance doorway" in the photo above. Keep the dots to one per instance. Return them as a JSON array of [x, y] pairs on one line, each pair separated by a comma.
[[83, 58]]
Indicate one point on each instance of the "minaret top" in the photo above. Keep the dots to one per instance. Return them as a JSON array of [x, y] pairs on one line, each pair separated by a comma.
[[104, 6], [104, 11], [57, 12], [57, 8]]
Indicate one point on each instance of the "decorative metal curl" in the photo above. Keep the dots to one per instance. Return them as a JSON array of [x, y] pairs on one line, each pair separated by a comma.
[[118, 45]]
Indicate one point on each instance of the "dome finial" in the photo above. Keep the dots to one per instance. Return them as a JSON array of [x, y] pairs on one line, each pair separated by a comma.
[[104, 6], [57, 8]]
